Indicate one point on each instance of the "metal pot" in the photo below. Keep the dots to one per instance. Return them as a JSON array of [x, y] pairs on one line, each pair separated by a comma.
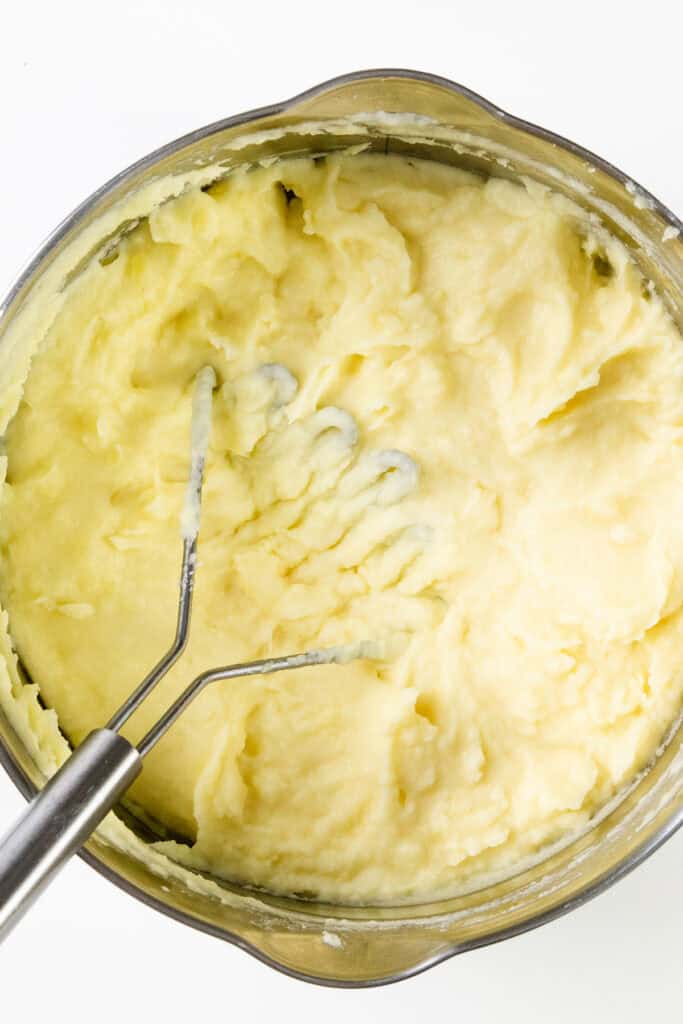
[[354, 946]]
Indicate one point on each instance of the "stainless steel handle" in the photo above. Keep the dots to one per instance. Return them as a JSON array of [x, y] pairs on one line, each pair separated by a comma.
[[60, 819]]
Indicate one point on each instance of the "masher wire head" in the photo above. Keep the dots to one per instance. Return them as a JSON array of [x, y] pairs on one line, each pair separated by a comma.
[[205, 384]]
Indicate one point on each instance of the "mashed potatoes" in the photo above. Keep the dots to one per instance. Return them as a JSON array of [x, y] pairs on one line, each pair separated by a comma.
[[528, 580]]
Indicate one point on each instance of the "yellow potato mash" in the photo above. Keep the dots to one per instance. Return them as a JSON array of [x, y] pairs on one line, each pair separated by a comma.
[[449, 420]]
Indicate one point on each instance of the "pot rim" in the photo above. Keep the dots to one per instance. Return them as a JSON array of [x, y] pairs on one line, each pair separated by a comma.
[[19, 776]]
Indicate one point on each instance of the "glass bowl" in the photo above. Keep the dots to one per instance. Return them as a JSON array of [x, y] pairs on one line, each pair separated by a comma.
[[429, 117]]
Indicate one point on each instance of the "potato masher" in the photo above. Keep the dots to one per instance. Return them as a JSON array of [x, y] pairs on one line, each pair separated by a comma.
[[76, 799]]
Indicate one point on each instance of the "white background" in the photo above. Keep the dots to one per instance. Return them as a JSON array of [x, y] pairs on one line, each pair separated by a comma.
[[86, 88]]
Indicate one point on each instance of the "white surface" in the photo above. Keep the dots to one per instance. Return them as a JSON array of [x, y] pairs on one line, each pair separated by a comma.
[[86, 88]]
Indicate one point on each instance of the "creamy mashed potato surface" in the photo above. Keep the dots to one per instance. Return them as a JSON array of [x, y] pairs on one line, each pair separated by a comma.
[[528, 585]]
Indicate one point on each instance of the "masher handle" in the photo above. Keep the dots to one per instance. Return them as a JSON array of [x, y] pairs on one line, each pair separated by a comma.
[[61, 817]]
